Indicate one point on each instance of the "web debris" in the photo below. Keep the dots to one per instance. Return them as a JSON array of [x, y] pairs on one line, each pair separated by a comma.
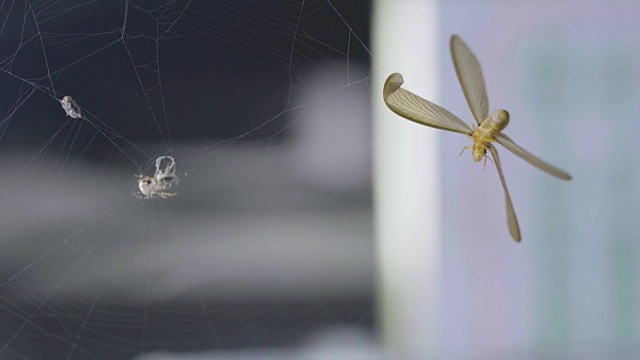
[[70, 107], [162, 180]]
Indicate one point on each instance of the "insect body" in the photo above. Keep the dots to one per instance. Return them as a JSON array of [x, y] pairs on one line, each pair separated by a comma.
[[71, 107], [490, 126]]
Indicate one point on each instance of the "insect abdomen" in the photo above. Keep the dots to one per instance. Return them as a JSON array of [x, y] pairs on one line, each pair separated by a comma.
[[495, 122]]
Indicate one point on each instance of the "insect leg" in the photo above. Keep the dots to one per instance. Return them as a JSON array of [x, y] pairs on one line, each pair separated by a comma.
[[485, 161], [465, 148]]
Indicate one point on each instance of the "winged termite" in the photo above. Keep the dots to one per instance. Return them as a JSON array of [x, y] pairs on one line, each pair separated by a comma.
[[490, 126]]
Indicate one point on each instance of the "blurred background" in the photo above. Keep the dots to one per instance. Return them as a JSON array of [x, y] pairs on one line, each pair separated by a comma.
[[310, 221]]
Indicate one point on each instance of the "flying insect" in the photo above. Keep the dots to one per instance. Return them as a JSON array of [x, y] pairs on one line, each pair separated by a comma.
[[489, 126]]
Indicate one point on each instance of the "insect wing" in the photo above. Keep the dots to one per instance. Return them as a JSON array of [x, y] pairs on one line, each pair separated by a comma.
[[506, 141], [470, 77], [414, 108], [512, 220]]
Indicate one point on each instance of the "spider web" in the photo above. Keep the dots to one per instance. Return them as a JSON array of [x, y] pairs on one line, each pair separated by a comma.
[[258, 247]]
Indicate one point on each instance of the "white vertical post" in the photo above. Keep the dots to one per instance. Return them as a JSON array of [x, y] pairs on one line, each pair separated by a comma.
[[407, 181]]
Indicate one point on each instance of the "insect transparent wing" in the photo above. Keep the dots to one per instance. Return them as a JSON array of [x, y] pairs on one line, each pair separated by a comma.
[[470, 77], [413, 107], [506, 141], [512, 220]]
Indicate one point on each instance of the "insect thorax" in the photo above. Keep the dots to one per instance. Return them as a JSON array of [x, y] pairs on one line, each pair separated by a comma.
[[492, 125]]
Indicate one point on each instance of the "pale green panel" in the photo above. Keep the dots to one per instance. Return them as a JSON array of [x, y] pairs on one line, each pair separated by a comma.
[[571, 85]]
